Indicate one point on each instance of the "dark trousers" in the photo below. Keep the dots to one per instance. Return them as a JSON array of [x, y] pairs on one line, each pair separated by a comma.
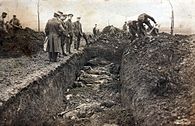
[[142, 29], [2, 37], [77, 42], [69, 43], [53, 56], [86, 40], [63, 42]]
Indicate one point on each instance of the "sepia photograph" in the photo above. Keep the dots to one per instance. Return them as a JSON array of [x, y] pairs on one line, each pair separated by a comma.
[[97, 63]]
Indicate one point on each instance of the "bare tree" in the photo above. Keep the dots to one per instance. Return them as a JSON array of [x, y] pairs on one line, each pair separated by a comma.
[[172, 17], [38, 14]]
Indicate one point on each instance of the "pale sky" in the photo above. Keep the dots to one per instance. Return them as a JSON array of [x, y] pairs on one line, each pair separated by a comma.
[[102, 12]]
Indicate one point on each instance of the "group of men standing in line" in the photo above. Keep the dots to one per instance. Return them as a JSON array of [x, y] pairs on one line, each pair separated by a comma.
[[60, 33], [137, 28], [6, 27]]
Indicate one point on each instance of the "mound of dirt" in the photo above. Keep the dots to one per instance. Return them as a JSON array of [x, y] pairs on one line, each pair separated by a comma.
[[24, 42], [107, 30], [154, 81]]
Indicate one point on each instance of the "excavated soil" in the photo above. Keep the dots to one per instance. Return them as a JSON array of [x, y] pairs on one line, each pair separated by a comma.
[[25, 42], [146, 82], [157, 80]]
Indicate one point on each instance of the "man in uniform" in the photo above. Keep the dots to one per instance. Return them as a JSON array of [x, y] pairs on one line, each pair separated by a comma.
[[95, 30], [3, 29], [15, 24], [64, 34], [78, 33], [125, 29], [69, 25], [133, 29], [53, 30], [144, 19]]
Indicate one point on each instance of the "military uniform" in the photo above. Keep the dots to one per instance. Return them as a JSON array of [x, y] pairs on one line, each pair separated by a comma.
[[144, 18], [95, 31], [78, 34], [133, 29], [64, 36], [70, 33], [125, 27], [53, 30], [2, 30]]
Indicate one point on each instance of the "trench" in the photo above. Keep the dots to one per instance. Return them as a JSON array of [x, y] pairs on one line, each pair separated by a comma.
[[94, 99], [84, 90]]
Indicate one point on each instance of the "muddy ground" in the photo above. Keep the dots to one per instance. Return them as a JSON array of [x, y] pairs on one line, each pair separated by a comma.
[[156, 78]]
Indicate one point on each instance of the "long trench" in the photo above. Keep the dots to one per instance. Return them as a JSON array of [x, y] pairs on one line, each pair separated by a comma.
[[84, 90]]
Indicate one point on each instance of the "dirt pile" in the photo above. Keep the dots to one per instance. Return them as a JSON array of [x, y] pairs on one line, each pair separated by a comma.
[[24, 42], [107, 30], [153, 80]]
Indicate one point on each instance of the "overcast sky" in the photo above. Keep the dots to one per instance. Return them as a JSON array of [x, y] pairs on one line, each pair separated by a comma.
[[102, 12]]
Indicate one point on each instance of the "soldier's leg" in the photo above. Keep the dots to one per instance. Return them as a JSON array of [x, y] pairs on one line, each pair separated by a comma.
[[50, 56], [86, 40], [75, 42], [148, 24], [67, 45], [78, 42], [62, 45], [71, 39], [55, 55], [1, 39]]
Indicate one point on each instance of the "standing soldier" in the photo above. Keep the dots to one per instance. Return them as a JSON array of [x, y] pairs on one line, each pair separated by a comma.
[[15, 23], [125, 29], [95, 30], [3, 29], [144, 18], [64, 34], [78, 33], [70, 33], [133, 29], [53, 30]]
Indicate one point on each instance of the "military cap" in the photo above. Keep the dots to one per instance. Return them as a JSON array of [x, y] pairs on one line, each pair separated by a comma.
[[4, 13], [56, 14], [70, 15], [65, 15], [60, 13]]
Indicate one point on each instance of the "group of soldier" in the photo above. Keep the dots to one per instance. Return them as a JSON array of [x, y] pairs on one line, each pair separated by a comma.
[[60, 31], [6, 27], [137, 28]]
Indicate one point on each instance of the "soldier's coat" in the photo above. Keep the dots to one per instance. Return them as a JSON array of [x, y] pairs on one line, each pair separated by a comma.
[[53, 30]]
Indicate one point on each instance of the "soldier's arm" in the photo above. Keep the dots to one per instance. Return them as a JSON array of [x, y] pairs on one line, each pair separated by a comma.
[[151, 18], [81, 29], [11, 21]]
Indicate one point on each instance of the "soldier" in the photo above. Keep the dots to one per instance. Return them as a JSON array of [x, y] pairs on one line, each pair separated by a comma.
[[3, 29], [95, 30], [15, 24], [144, 18], [70, 33], [64, 34], [133, 29], [53, 30], [78, 33], [125, 29]]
